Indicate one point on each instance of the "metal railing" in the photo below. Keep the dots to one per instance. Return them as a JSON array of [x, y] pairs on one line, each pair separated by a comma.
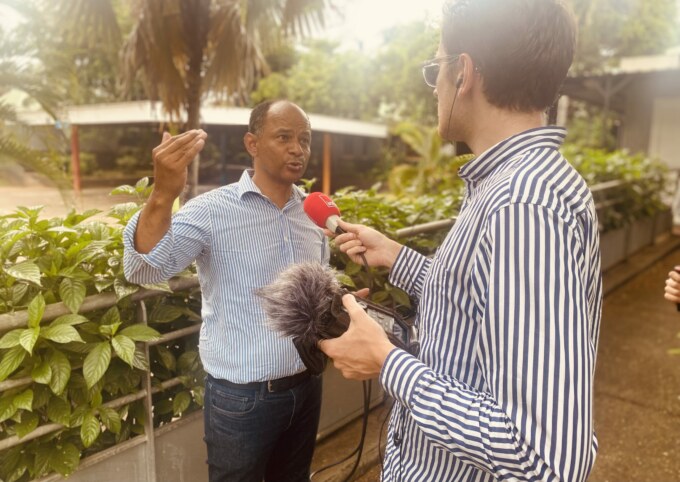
[[600, 193], [19, 319]]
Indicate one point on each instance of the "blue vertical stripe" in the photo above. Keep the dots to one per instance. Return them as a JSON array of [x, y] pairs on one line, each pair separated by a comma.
[[240, 241], [509, 313]]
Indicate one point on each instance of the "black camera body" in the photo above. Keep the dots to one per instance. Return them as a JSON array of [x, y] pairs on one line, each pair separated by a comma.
[[399, 329]]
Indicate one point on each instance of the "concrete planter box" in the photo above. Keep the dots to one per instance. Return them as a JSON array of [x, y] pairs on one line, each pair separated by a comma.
[[663, 224], [613, 247], [641, 234], [180, 452]]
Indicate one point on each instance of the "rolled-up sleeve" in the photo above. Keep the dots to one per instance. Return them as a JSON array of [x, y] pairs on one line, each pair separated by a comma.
[[187, 238]]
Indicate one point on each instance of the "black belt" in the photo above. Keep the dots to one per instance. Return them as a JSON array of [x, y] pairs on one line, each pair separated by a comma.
[[271, 386]]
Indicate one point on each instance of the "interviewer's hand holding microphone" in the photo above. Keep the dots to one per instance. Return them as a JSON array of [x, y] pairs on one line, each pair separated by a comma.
[[361, 351]]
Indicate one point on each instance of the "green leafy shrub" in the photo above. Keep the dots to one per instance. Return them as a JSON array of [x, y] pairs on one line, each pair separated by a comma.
[[646, 183], [64, 370]]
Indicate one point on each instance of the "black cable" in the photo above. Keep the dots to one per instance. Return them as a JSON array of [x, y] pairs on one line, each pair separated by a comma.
[[360, 447]]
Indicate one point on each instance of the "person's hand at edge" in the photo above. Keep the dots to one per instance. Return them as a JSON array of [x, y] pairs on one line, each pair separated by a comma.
[[672, 289], [358, 239]]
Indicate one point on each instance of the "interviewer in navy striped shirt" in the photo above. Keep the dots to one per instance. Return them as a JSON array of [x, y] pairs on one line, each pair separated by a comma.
[[261, 406], [509, 306]]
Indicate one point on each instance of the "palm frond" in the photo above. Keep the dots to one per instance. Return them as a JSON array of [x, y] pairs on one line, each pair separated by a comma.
[[156, 47], [89, 22]]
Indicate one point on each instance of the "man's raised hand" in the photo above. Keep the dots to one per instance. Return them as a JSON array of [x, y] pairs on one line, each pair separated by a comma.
[[171, 160]]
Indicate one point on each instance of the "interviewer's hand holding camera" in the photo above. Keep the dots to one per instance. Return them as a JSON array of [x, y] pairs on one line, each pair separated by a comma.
[[361, 351], [358, 239]]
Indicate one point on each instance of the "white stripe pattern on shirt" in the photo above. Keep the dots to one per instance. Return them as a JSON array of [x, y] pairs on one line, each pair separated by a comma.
[[240, 241], [509, 313]]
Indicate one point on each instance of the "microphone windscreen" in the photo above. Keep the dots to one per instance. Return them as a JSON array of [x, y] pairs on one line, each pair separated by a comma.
[[319, 208], [299, 302]]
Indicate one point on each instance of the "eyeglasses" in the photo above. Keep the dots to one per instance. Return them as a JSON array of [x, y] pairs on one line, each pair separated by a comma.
[[431, 68]]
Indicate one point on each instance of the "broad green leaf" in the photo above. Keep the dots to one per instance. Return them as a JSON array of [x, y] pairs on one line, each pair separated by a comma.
[[110, 418], [41, 395], [142, 184], [61, 371], [7, 408], [26, 271], [65, 459], [124, 347], [59, 411], [167, 358], [61, 334], [165, 314], [124, 289], [141, 333], [181, 402], [90, 250], [90, 429], [42, 459], [12, 359], [109, 330], [36, 309], [140, 361], [29, 422], [103, 284], [18, 292], [42, 373], [112, 316], [96, 363], [188, 361], [345, 280], [125, 189], [28, 337], [70, 319], [72, 293], [11, 338], [24, 400], [62, 229], [199, 395]]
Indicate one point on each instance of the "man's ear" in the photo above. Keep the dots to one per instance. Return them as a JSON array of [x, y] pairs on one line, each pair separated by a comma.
[[250, 142]]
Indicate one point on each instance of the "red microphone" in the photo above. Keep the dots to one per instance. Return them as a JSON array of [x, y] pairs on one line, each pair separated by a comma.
[[323, 211]]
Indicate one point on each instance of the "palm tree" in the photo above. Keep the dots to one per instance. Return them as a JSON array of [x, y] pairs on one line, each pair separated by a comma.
[[185, 49]]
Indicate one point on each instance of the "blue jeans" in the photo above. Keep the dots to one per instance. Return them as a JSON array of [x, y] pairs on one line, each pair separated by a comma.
[[253, 435]]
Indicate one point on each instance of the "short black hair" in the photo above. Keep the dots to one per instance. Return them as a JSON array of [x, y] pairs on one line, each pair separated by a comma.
[[522, 48], [258, 116]]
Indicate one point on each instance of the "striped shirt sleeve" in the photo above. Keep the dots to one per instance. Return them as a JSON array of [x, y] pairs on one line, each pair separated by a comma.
[[533, 419], [187, 238], [409, 270]]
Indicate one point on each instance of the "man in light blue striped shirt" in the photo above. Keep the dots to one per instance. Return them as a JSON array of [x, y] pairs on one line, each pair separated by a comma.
[[509, 307], [261, 405]]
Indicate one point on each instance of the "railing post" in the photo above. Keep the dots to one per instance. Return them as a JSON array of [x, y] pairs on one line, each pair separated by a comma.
[[148, 404]]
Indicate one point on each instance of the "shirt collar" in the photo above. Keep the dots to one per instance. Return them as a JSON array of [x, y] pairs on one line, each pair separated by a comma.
[[482, 165], [246, 184]]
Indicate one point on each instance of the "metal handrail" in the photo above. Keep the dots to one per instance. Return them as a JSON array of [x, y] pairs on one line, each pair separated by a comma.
[[596, 189]]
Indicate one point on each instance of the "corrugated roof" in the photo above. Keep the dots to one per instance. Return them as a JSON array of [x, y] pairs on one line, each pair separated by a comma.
[[142, 112]]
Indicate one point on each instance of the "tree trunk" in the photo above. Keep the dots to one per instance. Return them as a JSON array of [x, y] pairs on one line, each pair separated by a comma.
[[196, 27]]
